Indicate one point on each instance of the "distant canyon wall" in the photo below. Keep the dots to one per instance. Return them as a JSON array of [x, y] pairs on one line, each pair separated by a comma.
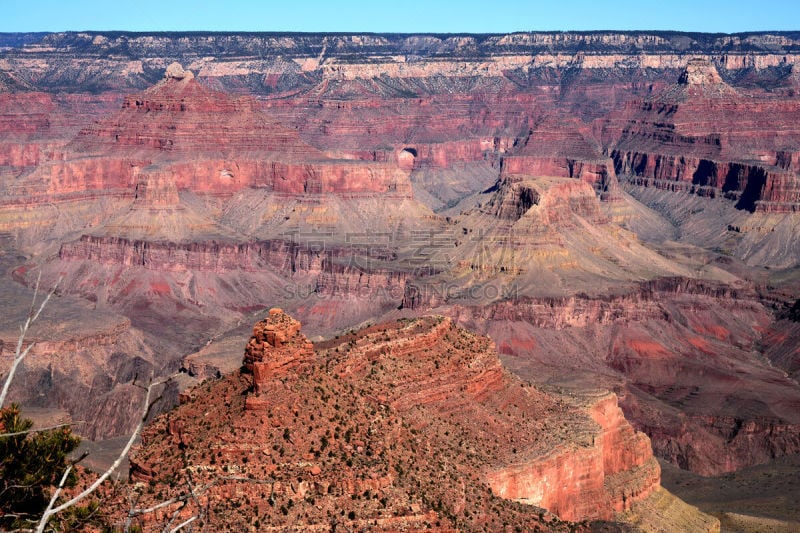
[[280, 62]]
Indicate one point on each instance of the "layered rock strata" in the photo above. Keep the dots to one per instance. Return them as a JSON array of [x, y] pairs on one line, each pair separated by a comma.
[[703, 136], [417, 403], [288, 62], [233, 145], [180, 210], [662, 345]]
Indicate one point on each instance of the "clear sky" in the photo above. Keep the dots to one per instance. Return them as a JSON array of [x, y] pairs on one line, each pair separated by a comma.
[[405, 16]]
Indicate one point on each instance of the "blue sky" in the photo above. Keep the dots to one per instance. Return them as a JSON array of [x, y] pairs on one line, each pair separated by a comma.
[[431, 16]]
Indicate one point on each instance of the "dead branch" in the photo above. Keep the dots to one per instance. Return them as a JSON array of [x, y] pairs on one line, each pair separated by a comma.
[[39, 430], [50, 510], [19, 353], [183, 524]]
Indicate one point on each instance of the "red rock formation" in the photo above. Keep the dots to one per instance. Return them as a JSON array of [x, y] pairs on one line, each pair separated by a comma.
[[177, 237], [663, 343], [34, 127], [538, 473], [276, 349], [599, 480], [640, 304], [555, 201], [207, 141], [539, 237], [432, 428], [329, 271], [563, 148], [703, 136]]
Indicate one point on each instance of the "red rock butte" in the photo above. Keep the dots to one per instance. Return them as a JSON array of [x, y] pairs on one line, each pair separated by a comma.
[[276, 349]]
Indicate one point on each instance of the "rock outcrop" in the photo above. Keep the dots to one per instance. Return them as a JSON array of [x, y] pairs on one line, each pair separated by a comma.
[[707, 420], [276, 349], [400, 425], [613, 474], [563, 148], [532, 237], [700, 72]]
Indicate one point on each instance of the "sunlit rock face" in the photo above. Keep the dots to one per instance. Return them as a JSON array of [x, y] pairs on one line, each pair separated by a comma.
[[419, 402]]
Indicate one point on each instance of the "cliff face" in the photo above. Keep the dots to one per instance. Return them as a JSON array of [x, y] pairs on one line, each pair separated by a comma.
[[564, 105], [356, 423], [330, 271], [613, 474], [181, 291], [34, 128], [704, 136], [289, 61], [659, 344], [208, 142], [563, 147], [77, 363]]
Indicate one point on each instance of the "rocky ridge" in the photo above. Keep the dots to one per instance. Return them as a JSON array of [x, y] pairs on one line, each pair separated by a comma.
[[401, 425], [649, 337], [286, 61]]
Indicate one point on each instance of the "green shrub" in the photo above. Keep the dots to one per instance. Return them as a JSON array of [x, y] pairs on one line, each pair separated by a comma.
[[31, 465]]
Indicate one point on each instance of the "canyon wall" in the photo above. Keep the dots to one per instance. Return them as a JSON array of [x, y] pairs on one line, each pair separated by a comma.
[[618, 469], [79, 363], [704, 136], [129, 60], [330, 271], [657, 346], [173, 195]]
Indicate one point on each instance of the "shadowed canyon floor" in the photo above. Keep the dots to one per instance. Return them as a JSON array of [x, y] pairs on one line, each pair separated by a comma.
[[751, 499], [616, 211]]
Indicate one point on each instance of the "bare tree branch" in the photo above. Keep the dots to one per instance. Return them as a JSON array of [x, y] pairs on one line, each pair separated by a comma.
[[175, 515], [133, 498], [53, 498], [50, 511], [33, 314], [193, 496], [19, 353], [166, 503], [176, 499], [38, 430], [192, 492], [183, 524]]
